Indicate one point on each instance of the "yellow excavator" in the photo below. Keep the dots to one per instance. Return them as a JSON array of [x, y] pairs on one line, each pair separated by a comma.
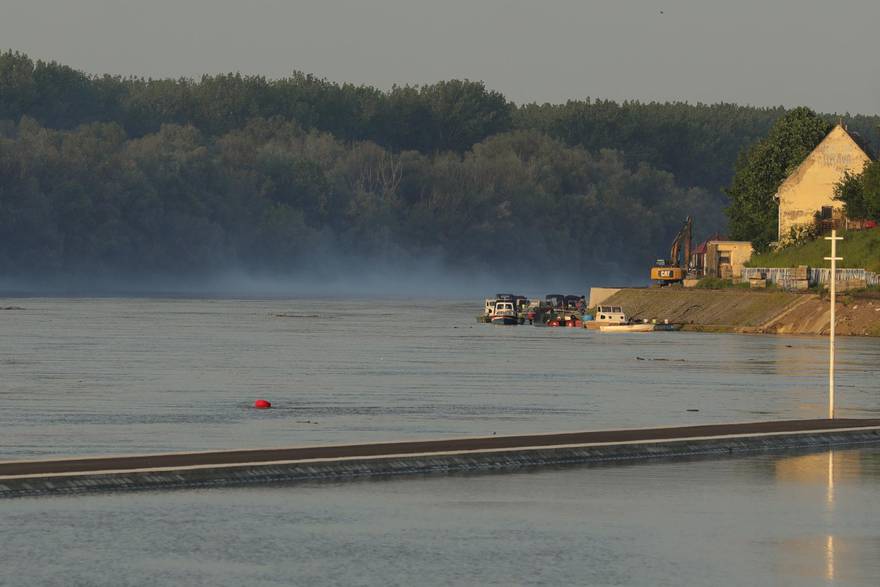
[[674, 269]]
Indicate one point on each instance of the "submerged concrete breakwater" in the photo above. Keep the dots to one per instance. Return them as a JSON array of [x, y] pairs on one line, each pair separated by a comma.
[[495, 453]]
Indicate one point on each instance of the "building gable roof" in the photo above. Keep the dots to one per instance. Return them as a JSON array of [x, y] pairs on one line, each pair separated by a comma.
[[839, 132]]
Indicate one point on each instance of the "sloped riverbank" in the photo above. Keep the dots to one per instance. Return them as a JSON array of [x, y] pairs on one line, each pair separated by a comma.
[[751, 311]]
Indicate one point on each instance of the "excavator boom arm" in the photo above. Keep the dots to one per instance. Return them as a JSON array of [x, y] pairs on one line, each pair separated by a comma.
[[675, 269]]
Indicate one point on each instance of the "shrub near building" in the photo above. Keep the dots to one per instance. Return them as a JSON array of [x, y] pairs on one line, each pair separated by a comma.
[[860, 193]]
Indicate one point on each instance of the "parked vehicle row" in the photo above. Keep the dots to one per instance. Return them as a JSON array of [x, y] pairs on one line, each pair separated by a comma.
[[559, 310], [553, 310]]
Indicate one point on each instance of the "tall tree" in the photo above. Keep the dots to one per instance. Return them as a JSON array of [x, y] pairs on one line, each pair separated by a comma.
[[465, 113]]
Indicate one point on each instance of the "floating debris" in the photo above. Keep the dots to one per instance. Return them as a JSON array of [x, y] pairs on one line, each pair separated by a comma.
[[290, 315]]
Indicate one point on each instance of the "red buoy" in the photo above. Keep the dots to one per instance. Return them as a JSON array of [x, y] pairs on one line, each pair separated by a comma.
[[262, 404]]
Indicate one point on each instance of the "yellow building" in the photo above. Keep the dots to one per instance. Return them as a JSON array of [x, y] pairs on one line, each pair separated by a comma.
[[810, 188], [722, 258]]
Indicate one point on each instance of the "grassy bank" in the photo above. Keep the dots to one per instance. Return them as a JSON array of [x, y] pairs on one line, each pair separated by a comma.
[[859, 249]]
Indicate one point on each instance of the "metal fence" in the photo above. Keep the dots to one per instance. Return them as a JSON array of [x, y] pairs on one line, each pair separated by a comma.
[[785, 277], [821, 276]]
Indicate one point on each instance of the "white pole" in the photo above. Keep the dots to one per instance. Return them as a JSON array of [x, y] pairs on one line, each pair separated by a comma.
[[834, 259]]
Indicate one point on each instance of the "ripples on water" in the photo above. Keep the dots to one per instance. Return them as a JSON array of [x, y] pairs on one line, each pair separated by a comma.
[[102, 376]]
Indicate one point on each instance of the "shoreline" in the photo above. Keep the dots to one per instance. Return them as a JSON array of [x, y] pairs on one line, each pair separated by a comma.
[[745, 311]]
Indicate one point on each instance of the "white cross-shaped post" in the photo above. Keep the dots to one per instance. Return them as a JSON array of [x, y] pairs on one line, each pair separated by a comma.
[[833, 282]]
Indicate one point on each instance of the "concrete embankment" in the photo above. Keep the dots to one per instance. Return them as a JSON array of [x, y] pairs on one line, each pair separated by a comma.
[[495, 453], [752, 311]]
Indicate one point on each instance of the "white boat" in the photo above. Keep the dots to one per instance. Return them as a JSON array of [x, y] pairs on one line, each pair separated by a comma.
[[607, 316], [505, 313], [638, 327]]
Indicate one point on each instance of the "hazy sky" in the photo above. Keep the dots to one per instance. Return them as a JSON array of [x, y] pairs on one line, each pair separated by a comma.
[[763, 52]]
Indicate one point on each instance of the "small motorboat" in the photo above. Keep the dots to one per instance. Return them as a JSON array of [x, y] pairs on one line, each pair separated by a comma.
[[637, 327], [505, 313], [666, 327]]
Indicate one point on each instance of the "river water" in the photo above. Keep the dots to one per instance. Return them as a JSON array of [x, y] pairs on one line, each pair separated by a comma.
[[100, 376]]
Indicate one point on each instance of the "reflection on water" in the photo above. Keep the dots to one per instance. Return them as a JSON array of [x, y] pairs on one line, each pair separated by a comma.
[[821, 468], [829, 542], [724, 522], [830, 481], [829, 558], [812, 558], [838, 558], [817, 557]]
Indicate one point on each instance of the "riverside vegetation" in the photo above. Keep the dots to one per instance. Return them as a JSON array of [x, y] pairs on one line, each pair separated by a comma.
[[121, 175]]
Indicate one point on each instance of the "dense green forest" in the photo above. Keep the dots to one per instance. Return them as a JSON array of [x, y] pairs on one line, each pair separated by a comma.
[[116, 176]]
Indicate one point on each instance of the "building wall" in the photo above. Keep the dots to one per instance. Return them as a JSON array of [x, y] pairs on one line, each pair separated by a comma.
[[811, 185], [600, 294], [739, 253]]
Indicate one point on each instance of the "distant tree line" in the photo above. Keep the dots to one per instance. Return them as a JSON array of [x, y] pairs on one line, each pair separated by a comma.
[[110, 173], [271, 195]]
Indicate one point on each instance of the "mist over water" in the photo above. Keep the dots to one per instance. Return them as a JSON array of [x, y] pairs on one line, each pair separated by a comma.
[[336, 277]]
